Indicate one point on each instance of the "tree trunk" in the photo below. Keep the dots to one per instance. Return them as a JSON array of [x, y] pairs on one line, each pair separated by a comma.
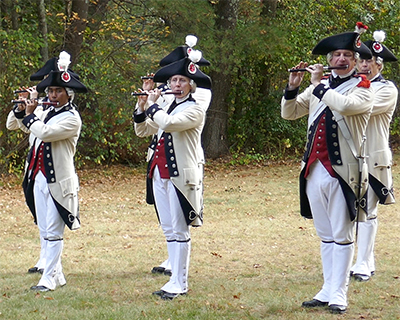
[[216, 128], [77, 13], [1, 14], [269, 8], [14, 15], [7, 7], [44, 50], [98, 11]]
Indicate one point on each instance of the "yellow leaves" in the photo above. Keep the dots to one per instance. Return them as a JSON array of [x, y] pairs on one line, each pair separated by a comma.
[[62, 16], [116, 36], [75, 16]]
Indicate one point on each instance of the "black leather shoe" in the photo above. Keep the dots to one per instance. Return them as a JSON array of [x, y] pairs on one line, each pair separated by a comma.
[[158, 270], [167, 295], [33, 270], [40, 288], [158, 293], [171, 296], [361, 277], [314, 303], [336, 308], [168, 272]]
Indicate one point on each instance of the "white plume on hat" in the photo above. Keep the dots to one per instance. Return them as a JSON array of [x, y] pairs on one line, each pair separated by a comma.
[[195, 55], [63, 61], [379, 35], [191, 40]]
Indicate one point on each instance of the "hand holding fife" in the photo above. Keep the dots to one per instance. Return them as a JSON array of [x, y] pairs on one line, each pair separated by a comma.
[[153, 96], [148, 83], [22, 93], [142, 99], [316, 71], [33, 94], [31, 105], [295, 78]]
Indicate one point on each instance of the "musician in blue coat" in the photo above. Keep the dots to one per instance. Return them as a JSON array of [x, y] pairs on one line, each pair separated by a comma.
[[338, 108], [175, 170]]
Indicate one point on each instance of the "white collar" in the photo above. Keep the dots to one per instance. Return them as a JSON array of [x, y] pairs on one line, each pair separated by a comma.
[[334, 74], [376, 76], [179, 100], [59, 108]]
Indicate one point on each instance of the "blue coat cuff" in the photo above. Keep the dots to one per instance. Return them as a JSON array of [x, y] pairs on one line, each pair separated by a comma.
[[320, 90], [29, 120], [138, 118], [150, 112], [18, 114], [291, 94]]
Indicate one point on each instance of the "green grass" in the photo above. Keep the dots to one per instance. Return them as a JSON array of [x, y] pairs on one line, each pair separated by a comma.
[[254, 258]]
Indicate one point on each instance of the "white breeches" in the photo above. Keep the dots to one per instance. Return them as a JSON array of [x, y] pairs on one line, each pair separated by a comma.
[[51, 227], [334, 227], [328, 205], [172, 220], [176, 231]]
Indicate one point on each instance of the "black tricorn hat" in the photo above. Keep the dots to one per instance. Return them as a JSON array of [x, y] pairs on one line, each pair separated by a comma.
[[183, 52], [345, 41], [61, 79], [180, 53], [185, 67], [378, 49], [50, 65]]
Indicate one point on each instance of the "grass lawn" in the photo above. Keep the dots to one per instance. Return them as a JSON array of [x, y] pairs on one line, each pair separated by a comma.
[[254, 257]]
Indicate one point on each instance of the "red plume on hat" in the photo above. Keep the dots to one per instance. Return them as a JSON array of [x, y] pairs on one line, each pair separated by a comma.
[[361, 27]]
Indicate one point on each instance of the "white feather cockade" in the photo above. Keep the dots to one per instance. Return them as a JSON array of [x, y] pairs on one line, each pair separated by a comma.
[[379, 35], [63, 61], [191, 40], [195, 55]]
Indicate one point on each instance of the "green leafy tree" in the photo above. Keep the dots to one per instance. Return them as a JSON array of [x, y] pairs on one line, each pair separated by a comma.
[[250, 44]]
